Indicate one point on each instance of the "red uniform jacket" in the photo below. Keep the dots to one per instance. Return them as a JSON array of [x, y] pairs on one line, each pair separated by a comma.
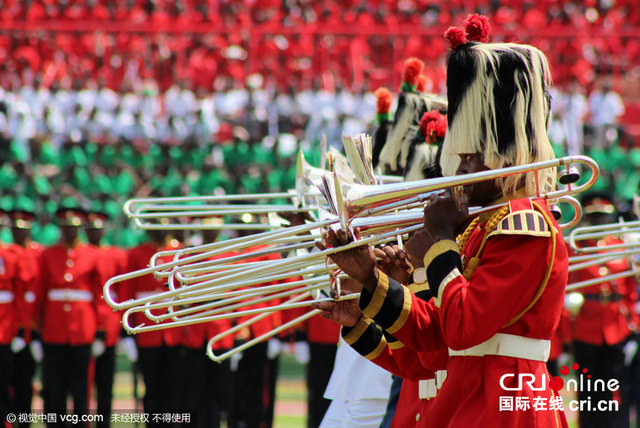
[[608, 312], [71, 295], [136, 288], [269, 322], [9, 307], [112, 261], [517, 288], [561, 336], [29, 288]]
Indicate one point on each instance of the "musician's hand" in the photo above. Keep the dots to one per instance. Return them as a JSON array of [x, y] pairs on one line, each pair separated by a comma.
[[417, 246], [344, 312], [295, 218], [394, 262], [444, 217], [358, 262]]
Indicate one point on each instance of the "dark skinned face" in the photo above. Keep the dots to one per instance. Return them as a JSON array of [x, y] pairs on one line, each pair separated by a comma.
[[69, 234], [94, 236], [480, 193]]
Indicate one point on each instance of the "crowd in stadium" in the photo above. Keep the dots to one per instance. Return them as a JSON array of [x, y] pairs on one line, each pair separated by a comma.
[[157, 104], [292, 42]]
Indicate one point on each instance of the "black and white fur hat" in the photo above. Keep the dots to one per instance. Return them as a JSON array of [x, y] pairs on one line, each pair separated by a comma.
[[498, 105]]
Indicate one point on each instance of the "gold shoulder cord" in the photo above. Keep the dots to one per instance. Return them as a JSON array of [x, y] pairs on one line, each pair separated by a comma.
[[493, 222]]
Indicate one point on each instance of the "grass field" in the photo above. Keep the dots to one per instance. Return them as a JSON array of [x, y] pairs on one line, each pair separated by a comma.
[[291, 395]]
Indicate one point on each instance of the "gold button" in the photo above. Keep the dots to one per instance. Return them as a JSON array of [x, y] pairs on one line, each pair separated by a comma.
[[69, 263], [417, 417], [603, 271], [68, 277], [67, 307]]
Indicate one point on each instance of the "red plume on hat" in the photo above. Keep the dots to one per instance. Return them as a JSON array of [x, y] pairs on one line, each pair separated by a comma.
[[433, 127], [475, 29], [412, 69], [383, 104], [421, 83]]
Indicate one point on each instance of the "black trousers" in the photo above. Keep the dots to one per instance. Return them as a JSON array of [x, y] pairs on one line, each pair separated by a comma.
[[103, 378], [6, 357], [65, 371], [206, 393], [24, 368], [603, 362], [247, 401], [163, 374], [319, 368]]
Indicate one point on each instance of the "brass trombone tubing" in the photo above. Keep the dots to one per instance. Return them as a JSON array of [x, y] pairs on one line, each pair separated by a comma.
[[299, 266], [273, 332], [237, 296], [359, 197], [250, 343], [224, 307], [250, 241], [237, 244], [600, 231], [581, 284], [276, 265], [196, 320], [216, 293], [586, 260]]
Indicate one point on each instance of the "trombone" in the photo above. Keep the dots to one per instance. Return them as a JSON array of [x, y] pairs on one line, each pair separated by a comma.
[[202, 287]]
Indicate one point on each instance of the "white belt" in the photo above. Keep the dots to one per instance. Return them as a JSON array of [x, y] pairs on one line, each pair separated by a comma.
[[69, 295], [428, 388], [6, 296], [509, 345]]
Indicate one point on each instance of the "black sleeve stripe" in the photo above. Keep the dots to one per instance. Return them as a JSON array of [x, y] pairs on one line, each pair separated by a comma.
[[369, 341], [440, 267], [392, 305]]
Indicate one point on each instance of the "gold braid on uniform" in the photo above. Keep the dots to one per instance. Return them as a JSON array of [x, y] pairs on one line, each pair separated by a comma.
[[492, 223]]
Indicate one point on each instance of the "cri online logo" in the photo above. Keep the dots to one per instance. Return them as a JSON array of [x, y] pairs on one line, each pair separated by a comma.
[[582, 381]]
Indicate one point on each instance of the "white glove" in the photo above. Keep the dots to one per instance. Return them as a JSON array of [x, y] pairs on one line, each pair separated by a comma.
[[235, 360], [18, 344], [97, 348], [35, 347], [563, 359], [127, 346], [274, 348], [630, 349], [301, 352]]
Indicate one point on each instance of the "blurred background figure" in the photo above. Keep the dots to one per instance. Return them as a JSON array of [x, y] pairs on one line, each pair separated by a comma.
[[605, 322], [28, 252], [70, 317]]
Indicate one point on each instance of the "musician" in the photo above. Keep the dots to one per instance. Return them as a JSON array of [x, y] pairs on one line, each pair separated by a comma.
[[605, 321], [493, 311], [112, 262], [71, 293], [28, 252], [207, 382], [252, 399], [160, 352], [9, 315]]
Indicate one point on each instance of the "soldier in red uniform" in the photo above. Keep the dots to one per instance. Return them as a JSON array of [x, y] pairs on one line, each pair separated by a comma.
[[207, 382], [160, 352], [71, 300], [9, 315], [494, 311], [112, 262], [605, 321], [28, 254]]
